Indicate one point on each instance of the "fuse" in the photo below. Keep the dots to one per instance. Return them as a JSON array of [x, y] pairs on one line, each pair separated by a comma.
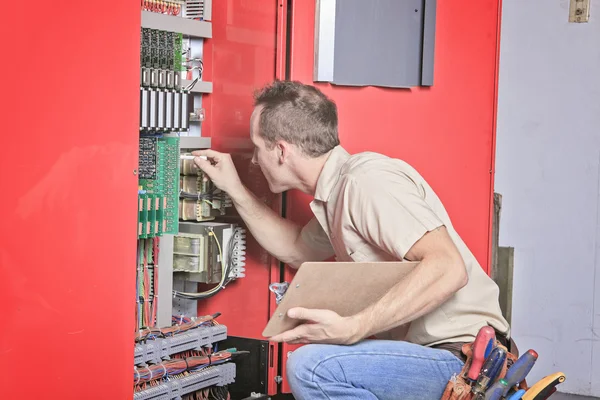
[[145, 108], [169, 107], [185, 118], [162, 95], [177, 110], [162, 78], [145, 77], [153, 109], [170, 79], [154, 77]]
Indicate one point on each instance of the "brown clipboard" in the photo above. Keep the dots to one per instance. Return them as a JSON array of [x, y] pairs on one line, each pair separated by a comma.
[[344, 287]]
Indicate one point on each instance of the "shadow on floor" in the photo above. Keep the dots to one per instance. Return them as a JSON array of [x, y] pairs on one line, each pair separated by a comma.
[[562, 396]]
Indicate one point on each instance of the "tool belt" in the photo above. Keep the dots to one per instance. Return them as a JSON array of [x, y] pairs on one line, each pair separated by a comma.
[[460, 387]]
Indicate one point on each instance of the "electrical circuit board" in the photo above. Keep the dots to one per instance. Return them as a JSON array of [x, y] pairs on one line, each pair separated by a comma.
[[158, 197]]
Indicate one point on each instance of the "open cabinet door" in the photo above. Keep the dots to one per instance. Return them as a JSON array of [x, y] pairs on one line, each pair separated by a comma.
[[245, 53], [68, 165], [446, 131]]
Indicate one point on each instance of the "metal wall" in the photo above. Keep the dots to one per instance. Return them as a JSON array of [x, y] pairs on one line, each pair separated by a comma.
[[68, 204]]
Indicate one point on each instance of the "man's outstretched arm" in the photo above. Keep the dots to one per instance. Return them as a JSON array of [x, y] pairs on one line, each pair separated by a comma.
[[280, 237]]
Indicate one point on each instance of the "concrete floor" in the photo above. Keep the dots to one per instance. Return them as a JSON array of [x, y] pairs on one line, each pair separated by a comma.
[[562, 396]]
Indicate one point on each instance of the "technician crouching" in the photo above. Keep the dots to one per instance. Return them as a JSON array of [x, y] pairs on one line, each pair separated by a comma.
[[367, 207]]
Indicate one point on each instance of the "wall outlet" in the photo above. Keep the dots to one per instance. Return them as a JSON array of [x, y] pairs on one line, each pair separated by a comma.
[[579, 11]]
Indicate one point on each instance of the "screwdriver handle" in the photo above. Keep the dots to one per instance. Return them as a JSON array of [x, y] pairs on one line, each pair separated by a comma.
[[496, 391], [544, 387], [478, 350], [519, 370], [491, 369]]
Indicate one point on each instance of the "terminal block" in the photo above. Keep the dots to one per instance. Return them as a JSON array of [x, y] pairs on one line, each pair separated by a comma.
[[174, 389], [153, 351]]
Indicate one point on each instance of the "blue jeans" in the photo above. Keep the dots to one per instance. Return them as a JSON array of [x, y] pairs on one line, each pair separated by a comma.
[[370, 370]]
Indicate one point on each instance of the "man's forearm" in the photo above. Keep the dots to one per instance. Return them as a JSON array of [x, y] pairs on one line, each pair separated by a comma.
[[276, 235], [431, 283]]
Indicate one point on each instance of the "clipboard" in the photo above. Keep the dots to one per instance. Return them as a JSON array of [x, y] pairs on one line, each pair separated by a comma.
[[344, 287]]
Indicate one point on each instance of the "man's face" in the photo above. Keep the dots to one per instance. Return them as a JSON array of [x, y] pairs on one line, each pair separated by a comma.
[[269, 160]]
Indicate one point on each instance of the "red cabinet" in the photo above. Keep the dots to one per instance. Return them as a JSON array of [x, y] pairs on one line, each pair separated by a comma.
[[69, 151]]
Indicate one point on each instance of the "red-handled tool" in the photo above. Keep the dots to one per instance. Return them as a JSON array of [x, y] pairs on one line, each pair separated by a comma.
[[479, 347]]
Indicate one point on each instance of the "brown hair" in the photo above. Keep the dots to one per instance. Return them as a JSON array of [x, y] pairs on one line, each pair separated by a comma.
[[299, 114]]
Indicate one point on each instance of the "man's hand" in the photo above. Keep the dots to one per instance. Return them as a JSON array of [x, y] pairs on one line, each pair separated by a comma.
[[220, 169], [322, 326]]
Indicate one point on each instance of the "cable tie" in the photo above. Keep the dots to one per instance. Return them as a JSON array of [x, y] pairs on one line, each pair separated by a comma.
[[137, 375], [151, 374]]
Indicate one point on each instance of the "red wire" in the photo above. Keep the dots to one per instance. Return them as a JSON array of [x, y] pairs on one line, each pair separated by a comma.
[[155, 300], [146, 287]]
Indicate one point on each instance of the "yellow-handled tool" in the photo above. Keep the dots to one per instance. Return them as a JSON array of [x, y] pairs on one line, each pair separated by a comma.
[[544, 387]]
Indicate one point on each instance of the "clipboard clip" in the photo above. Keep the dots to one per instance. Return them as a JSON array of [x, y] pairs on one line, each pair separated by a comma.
[[279, 288]]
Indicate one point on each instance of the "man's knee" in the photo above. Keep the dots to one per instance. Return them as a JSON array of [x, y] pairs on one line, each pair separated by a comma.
[[301, 362]]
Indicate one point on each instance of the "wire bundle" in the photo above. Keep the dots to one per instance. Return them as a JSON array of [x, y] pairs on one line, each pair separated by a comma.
[[213, 393], [142, 375], [190, 68], [189, 323], [147, 282], [168, 7], [203, 196]]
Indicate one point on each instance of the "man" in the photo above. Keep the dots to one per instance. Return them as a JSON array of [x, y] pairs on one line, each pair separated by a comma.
[[367, 207]]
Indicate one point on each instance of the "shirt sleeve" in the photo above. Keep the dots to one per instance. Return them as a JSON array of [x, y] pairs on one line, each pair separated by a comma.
[[317, 240], [390, 211]]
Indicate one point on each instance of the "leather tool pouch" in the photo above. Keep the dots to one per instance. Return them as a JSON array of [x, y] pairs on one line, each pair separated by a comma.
[[459, 387]]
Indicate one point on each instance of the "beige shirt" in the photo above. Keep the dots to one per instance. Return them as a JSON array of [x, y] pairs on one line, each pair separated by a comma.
[[369, 207]]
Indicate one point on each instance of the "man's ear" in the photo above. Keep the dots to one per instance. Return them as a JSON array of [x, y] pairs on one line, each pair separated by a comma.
[[283, 151]]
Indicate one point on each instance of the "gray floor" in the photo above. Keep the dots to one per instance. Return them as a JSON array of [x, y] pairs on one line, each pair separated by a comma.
[[562, 396]]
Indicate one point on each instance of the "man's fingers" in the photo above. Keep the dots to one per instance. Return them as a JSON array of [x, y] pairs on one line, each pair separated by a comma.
[[307, 314], [203, 164], [294, 335], [207, 153]]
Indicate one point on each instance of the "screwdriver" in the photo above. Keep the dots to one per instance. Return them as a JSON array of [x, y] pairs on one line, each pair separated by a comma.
[[520, 369], [485, 335], [544, 387], [495, 392], [490, 371]]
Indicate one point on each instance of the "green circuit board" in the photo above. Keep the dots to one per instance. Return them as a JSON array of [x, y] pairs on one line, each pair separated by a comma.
[[158, 199]]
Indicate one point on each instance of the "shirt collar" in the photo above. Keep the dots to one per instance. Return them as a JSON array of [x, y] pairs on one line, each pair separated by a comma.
[[331, 173]]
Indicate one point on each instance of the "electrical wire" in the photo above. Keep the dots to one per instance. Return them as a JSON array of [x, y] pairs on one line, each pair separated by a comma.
[[179, 365], [202, 196], [155, 247], [151, 333], [190, 70]]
